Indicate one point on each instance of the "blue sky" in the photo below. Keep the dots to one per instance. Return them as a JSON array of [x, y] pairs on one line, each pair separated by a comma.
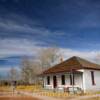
[[29, 25]]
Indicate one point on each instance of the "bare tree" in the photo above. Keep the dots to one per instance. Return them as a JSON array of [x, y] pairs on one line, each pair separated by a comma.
[[13, 74], [48, 57], [31, 68], [28, 71]]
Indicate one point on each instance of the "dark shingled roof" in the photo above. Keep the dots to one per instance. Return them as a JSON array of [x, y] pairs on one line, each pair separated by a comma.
[[73, 63]]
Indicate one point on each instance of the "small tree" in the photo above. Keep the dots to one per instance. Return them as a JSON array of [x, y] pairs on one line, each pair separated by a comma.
[[27, 71], [13, 74]]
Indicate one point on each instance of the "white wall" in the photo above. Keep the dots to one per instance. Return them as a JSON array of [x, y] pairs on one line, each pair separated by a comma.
[[83, 81], [77, 77], [87, 81], [78, 80], [46, 86]]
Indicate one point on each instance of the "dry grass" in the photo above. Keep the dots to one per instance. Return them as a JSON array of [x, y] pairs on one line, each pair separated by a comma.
[[29, 88], [40, 91], [5, 88], [6, 93]]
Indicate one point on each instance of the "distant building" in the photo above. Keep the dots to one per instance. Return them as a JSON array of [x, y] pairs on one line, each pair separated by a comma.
[[73, 73]]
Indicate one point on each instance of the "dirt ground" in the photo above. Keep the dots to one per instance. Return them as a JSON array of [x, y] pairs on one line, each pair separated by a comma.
[[17, 98], [11, 96], [24, 95]]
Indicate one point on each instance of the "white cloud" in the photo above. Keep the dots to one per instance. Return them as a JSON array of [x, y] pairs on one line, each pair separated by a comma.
[[12, 47], [89, 55], [14, 25], [17, 27], [4, 69], [7, 69]]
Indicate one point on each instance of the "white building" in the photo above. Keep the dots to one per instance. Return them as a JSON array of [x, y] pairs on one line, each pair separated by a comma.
[[74, 73]]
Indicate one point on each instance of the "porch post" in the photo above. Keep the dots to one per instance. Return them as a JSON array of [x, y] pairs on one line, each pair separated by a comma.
[[72, 75]]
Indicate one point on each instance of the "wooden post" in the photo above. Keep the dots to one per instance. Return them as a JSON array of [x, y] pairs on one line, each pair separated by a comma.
[[72, 75]]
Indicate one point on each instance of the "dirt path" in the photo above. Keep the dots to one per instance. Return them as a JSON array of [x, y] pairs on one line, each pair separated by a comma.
[[85, 97], [17, 98], [36, 95]]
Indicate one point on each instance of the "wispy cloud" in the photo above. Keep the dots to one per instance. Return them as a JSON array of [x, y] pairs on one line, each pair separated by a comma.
[[11, 47], [20, 47], [89, 55], [23, 27], [5, 69], [24, 36], [72, 25]]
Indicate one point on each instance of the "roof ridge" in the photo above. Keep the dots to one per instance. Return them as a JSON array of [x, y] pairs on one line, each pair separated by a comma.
[[78, 60]]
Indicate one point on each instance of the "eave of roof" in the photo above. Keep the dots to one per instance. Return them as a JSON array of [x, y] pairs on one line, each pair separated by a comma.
[[73, 63]]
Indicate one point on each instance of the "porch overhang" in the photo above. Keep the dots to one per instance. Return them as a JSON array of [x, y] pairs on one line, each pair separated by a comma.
[[67, 72]]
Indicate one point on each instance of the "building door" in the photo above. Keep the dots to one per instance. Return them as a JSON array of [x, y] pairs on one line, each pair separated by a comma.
[[54, 81]]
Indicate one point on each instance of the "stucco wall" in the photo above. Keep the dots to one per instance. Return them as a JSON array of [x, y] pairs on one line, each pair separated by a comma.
[[46, 86], [88, 82], [83, 81], [78, 80]]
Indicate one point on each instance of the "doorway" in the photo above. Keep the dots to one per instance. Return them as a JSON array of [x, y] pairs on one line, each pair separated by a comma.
[[54, 81]]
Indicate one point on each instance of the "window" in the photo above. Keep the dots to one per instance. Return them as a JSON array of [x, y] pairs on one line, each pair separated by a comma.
[[72, 80], [92, 78], [63, 79], [48, 80]]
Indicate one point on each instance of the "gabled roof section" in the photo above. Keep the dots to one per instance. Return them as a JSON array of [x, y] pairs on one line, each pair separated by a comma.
[[73, 63]]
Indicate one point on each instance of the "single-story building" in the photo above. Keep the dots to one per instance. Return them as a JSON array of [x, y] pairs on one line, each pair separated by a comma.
[[74, 72]]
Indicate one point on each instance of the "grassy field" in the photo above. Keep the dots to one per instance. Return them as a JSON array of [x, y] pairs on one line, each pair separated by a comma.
[[38, 89], [6, 94], [30, 88], [5, 88]]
